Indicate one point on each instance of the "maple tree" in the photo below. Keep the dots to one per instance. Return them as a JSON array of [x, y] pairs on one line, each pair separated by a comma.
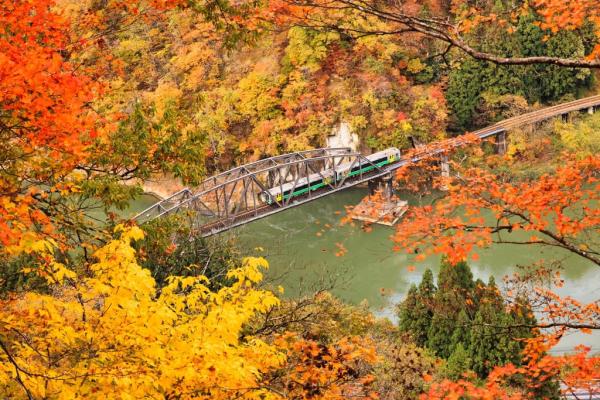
[[554, 210], [68, 148], [109, 332], [45, 122]]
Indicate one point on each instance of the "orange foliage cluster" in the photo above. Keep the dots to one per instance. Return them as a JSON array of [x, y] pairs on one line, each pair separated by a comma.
[[543, 206], [341, 250], [45, 124], [44, 96], [570, 15], [464, 388], [333, 372]]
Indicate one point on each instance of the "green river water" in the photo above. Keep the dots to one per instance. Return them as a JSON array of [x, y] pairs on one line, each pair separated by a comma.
[[301, 245]]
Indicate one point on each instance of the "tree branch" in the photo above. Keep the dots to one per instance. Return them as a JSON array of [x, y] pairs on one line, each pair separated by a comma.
[[436, 28]]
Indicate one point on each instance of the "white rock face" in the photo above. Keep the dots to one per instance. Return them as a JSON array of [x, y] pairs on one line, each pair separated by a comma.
[[341, 136]]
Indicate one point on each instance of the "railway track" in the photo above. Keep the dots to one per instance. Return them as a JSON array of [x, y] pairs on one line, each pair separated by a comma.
[[227, 214], [539, 115]]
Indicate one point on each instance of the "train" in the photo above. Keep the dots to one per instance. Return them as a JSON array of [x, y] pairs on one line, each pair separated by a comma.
[[316, 181]]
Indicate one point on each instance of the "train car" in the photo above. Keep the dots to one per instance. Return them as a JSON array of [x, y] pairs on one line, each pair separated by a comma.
[[316, 181], [303, 186], [379, 159]]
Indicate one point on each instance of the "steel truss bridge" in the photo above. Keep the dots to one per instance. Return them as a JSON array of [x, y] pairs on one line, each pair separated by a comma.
[[231, 198]]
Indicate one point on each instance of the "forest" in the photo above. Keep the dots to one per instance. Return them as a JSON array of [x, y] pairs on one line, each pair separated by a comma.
[[103, 102]]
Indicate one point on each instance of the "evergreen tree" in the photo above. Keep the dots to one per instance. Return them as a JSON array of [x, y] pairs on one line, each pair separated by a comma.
[[427, 288], [455, 286], [558, 82], [465, 84], [416, 312], [458, 363], [490, 294], [439, 336], [484, 347], [492, 342], [424, 308], [406, 311], [548, 83], [461, 335], [529, 39], [465, 321]]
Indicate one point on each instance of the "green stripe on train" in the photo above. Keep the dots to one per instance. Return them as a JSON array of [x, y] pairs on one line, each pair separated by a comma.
[[321, 184]]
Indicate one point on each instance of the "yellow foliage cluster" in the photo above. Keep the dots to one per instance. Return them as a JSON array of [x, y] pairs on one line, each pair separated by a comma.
[[307, 48], [108, 333], [582, 137]]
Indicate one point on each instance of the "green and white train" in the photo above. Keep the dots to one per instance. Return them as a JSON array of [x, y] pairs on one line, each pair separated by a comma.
[[316, 181]]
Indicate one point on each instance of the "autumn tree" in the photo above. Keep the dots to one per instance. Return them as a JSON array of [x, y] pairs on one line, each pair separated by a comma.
[[112, 331], [45, 122], [84, 342], [76, 147], [557, 207]]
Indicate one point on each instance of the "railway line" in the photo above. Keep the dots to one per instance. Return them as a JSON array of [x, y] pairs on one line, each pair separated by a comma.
[[233, 198]]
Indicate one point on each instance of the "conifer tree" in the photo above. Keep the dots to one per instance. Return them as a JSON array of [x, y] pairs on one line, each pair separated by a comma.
[[458, 363], [465, 321], [416, 312], [484, 345], [461, 335], [455, 287], [406, 311]]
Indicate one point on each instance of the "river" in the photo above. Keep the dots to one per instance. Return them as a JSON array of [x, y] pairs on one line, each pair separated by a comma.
[[301, 245]]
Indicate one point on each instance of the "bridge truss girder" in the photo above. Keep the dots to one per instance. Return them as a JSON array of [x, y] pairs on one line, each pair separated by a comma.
[[232, 198]]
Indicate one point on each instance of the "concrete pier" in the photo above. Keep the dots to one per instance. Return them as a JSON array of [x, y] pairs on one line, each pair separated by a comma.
[[501, 145], [375, 209], [381, 206]]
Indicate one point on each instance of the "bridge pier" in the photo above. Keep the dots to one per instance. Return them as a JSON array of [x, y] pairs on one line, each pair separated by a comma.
[[591, 110], [444, 169], [384, 185], [501, 145], [381, 206], [445, 166]]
